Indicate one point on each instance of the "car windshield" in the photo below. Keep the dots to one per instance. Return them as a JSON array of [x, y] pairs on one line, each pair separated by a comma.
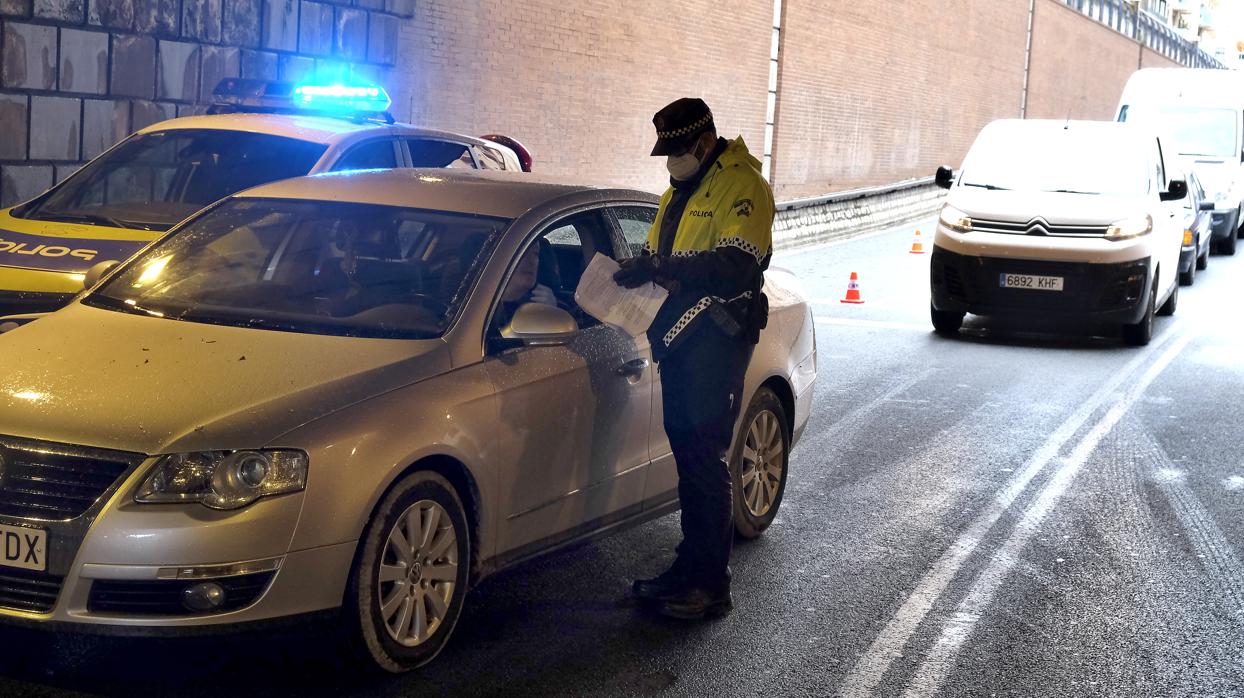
[[356, 270], [1194, 131], [1072, 160], [153, 181]]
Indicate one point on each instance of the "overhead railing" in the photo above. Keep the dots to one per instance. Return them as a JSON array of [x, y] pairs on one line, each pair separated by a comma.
[[1146, 29]]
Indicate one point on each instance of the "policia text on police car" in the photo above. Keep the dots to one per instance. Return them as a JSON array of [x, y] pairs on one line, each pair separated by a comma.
[[709, 247]]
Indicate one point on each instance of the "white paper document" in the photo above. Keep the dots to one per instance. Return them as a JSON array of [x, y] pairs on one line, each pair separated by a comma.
[[631, 310]]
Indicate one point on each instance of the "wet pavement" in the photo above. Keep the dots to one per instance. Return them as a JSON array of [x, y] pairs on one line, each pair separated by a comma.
[[1015, 511]]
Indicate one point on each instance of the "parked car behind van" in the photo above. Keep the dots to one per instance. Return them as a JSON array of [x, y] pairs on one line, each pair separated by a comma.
[[1200, 112], [1072, 219]]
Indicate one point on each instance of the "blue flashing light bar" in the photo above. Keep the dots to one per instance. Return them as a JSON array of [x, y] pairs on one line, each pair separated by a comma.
[[341, 98]]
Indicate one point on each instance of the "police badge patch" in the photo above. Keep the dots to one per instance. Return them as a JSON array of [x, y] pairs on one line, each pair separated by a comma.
[[743, 207]]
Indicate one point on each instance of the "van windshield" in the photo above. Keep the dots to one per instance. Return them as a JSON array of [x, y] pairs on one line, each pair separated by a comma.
[[1080, 161], [1194, 130]]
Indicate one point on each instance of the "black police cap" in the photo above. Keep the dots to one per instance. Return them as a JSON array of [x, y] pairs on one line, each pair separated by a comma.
[[679, 123]]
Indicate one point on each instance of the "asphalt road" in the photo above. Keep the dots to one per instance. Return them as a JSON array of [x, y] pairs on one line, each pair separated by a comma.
[[1029, 511]]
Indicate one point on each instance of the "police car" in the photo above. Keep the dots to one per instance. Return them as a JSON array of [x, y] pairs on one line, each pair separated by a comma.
[[255, 132]]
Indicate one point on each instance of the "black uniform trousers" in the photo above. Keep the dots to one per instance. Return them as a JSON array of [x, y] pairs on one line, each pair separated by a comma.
[[702, 393]]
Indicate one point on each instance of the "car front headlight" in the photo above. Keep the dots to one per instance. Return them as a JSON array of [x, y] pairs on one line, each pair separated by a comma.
[[1130, 228], [224, 479], [955, 219]]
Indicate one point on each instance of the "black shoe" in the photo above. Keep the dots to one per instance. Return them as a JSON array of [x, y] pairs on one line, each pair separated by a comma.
[[695, 604], [669, 584]]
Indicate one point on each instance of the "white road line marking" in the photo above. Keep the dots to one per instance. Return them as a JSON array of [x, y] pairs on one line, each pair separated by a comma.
[[868, 671], [874, 324], [955, 630]]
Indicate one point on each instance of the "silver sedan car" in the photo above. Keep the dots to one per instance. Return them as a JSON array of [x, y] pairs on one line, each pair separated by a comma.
[[324, 396]]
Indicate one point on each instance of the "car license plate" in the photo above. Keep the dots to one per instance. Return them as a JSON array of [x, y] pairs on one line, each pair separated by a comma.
[[26, 548], [1029, 281]]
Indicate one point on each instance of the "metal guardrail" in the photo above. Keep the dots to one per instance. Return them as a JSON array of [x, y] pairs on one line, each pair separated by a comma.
[[1146, 29], [852, 194]]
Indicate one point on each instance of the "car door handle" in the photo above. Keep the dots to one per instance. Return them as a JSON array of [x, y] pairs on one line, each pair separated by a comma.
[[633, 368]]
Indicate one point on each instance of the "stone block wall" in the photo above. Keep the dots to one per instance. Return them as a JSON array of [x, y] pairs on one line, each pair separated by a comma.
[[76, 76]]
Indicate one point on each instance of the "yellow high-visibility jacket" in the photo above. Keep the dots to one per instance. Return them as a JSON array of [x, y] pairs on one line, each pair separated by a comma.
[[721, 246]]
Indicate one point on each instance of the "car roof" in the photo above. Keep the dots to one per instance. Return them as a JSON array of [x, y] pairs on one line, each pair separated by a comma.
[[481, 192], [304, 127]]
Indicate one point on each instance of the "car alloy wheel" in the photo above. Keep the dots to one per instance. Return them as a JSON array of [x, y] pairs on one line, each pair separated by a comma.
[[418, 573], [409, 578], [759, 464]]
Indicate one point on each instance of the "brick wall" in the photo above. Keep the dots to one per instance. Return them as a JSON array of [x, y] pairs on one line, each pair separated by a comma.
[[78, 75], [577, 82], [1078, 67], [871, 95]]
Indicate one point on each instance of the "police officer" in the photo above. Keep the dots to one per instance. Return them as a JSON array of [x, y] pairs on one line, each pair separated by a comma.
[[709, 246]]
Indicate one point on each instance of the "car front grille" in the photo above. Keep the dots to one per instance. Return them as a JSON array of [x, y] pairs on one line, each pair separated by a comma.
[[51, 482], [1038, 228], [28, 591], [164, 597], [974, 281]]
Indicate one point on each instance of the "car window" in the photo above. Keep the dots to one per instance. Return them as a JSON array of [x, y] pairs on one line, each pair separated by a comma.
[[489, 158], [557, 256], [634, 223], [155, 180], [374, 154], [431, 152], [313, 267]]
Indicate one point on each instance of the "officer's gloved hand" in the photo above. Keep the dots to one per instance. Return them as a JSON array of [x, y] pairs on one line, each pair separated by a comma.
[[636, 271]]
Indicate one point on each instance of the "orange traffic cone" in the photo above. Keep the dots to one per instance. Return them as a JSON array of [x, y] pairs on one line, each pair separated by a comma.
[[853, 290], [917, 246]]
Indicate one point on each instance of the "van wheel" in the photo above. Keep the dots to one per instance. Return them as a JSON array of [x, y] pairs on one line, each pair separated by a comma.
[[945, 322], [1138, 334], [759, 464], [1172, 302], [409, 578]]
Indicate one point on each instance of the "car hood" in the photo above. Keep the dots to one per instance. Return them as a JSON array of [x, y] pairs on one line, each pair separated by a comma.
[[108, 379], [1056, 208], [1216, 175]]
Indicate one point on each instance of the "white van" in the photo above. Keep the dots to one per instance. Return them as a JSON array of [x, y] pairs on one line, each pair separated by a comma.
[[1072, 219], [1200, 111]]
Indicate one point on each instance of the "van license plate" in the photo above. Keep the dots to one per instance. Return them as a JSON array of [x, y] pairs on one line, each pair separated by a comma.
[[1031, 282], [26, 548]]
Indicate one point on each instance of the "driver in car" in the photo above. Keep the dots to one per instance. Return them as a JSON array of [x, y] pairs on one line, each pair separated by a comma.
[[524, 287]]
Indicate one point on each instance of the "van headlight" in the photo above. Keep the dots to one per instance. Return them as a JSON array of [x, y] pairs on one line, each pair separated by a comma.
[[955, 219], [224, 479], [1130, 228]]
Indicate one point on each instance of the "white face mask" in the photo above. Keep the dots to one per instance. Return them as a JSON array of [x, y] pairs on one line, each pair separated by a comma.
[[683, 166]]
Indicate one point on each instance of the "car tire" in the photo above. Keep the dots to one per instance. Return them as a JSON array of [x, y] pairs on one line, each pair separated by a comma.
[[1226, 245], [1172, 302], [1187, 278], [759, 464], [1202, 262], [945, 321], [1139, 334], [399, 620]]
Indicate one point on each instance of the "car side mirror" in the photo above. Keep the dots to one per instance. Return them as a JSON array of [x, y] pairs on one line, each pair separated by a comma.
[[95, 273], [1175, 191], [1207, 205], [12, 322], [944, 178], [537, 324]]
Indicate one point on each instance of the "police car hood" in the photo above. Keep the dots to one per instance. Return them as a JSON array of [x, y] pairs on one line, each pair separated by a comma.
[[1056, 208], [108, 379]]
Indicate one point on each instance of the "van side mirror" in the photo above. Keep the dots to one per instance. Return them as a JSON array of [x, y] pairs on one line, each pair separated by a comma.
[[537, 324], [95, 273], [1175, 191], [1207, 205], [944, 178]]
